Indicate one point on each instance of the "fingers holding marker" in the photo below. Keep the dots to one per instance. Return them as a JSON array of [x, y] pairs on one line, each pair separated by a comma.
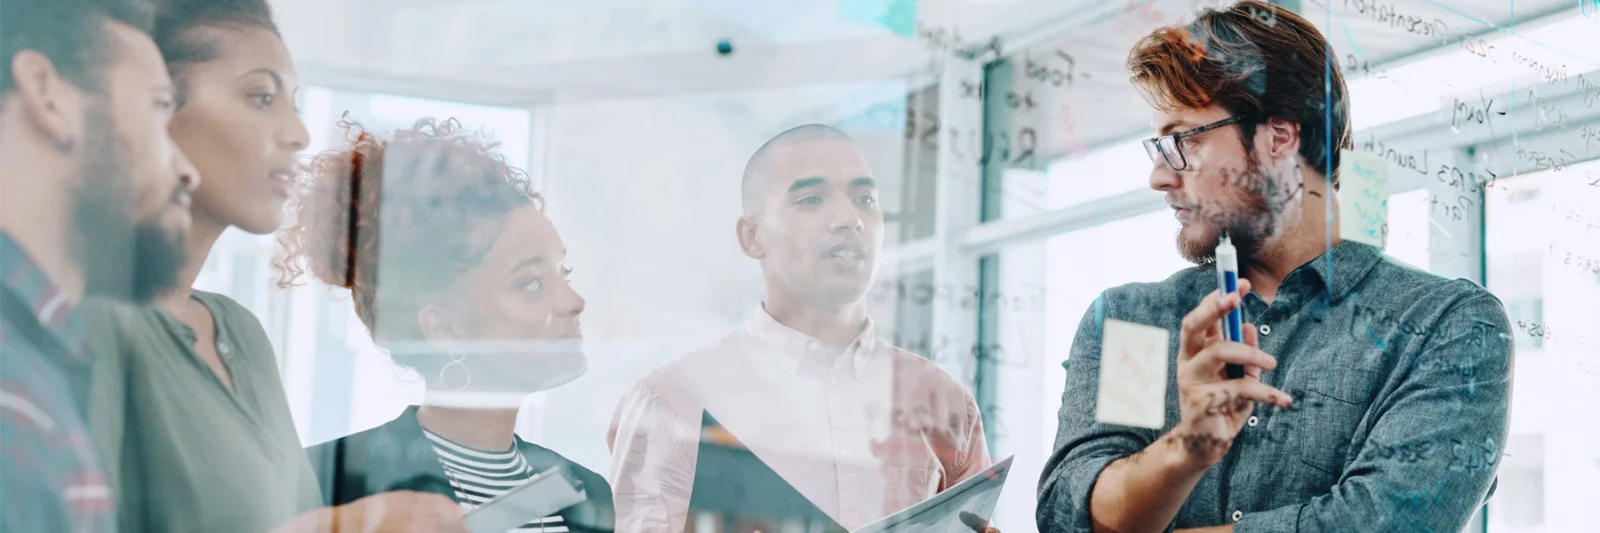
[[1211, 359], [1200, 325]]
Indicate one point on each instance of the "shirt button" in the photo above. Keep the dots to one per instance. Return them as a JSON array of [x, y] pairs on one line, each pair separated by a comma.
[[1266, 330], [1252, 421], [813, 346], [223, 348], [1237, 514]]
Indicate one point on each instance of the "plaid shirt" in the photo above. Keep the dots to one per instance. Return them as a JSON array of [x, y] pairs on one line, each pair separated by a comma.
[[49, 477]]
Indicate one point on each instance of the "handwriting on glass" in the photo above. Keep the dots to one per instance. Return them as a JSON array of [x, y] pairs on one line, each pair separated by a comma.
[[1547, 114], [1464, 205], [926, 294], [941, 39], [1410, 23], [1583, 263], [1590, 91], [1589, 220], [943, 350], [1480, 48], [1467, 181], [1364, 67], [1542, 160], [1407, 161], [1549, 73], [1464, 455], [1055, 76], [1004, 147], [1464, 112], [1544, 331]]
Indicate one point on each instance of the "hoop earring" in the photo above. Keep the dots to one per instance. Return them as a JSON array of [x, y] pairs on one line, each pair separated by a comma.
[[455, 361]]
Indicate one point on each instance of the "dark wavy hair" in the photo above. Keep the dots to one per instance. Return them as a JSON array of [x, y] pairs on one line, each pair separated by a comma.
[[418, 210], [182, 46], [71, 33], [1258, 61]]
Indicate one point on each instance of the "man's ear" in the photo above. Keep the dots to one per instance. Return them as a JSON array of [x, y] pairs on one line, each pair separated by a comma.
[[748, 240], [46, 100], [1282, 138], [438, 329]]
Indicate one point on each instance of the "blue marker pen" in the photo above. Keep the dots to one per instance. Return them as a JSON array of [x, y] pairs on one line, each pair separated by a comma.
[[1228, 280]]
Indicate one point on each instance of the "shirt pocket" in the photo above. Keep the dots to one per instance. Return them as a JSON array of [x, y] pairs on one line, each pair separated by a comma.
[[1331, 404]]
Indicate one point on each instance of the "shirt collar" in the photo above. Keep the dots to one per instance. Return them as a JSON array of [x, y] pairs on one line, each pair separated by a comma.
[[1343, 267], [792, 348], [56, 314]]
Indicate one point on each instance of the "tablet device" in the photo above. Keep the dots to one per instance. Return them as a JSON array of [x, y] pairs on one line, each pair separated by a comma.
[[543, 495]]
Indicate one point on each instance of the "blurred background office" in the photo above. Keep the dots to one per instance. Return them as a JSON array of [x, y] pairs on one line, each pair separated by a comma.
[[1004, 136]]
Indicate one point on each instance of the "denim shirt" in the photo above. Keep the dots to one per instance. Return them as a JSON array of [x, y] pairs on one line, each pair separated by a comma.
[[1402, 386]]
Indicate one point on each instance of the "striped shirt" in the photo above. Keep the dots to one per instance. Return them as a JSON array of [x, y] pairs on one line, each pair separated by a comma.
[[479, 476]]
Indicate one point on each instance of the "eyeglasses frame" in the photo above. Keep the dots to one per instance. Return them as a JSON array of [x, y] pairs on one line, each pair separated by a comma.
[[1152, 146]]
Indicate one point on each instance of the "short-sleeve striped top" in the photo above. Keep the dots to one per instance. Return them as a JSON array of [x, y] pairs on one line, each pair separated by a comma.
[[479, 476]]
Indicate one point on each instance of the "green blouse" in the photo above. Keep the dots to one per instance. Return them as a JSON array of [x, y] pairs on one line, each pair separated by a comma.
[[182, 451]]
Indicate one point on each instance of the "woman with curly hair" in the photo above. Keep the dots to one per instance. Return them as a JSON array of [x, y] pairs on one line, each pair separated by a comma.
[[456, 272]]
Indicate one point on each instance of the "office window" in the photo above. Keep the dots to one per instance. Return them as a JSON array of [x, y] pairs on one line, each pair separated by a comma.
[[1540, 233], [1056, 280]]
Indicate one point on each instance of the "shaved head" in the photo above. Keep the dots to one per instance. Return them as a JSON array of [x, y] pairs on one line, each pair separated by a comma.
[[811, 217], [757, 172]]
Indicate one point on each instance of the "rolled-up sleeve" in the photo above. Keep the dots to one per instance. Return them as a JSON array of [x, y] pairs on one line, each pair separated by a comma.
[[1448, 417], [653, 452], [1083, 447]]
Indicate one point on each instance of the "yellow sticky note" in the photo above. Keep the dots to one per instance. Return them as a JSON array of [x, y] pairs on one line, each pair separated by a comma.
[[1363, 198], [1133, 375]]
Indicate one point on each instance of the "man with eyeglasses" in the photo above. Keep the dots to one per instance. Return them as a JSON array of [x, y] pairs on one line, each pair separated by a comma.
[[1342, 421]]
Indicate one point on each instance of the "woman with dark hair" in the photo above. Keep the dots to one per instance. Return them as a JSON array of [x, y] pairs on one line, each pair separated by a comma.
[[456, 272], [187, 407]]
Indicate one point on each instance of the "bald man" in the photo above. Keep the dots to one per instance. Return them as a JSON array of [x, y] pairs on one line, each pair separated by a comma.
[[858, 427]]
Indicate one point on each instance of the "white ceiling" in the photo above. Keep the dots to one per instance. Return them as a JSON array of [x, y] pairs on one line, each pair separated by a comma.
[[531, 51]]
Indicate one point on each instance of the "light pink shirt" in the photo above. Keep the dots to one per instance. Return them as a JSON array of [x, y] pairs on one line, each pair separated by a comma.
[[861, 434]]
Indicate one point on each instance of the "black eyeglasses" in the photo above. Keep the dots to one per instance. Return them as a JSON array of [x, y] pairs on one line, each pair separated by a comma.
[[1167, 147]]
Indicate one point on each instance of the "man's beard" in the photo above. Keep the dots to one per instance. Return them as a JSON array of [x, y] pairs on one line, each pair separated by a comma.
[[1251, 214], [122, 258]]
